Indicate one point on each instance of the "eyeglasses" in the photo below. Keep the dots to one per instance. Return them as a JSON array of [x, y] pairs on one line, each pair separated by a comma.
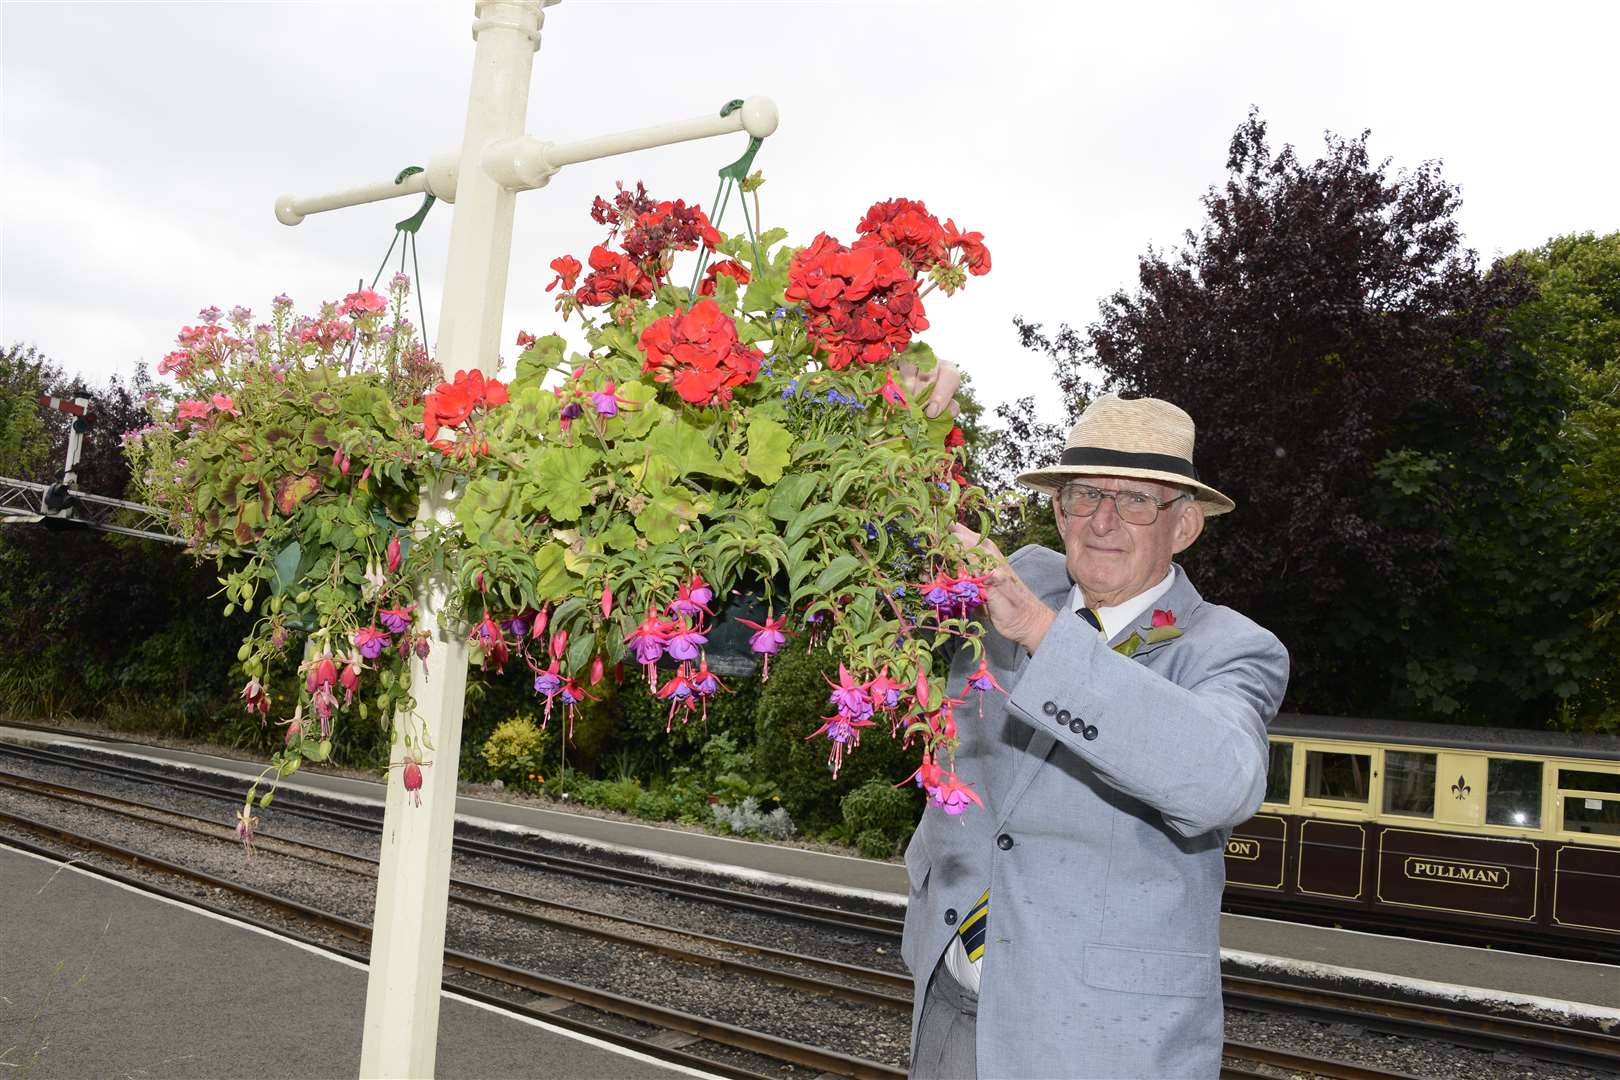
[[1136, 507]]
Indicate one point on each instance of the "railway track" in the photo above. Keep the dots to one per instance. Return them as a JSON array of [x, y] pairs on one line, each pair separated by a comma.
[[831, 978]]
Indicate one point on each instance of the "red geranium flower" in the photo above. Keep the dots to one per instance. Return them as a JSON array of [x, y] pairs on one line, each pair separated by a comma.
[[452, 403], [568, 269], [729, 267], [975, 256], [612, 276], [908, 227], [669, 226], [698, 352], [860, 303]]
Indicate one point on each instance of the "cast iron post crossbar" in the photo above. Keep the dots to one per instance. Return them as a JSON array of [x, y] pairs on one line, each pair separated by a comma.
[[495, 162]]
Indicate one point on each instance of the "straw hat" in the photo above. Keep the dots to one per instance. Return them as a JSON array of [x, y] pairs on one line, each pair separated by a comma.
[[1143, 437]]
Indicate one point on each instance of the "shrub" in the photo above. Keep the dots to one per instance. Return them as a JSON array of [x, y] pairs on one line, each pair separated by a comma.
[[880, 816], [791, 707], [618, 795], [514, 748], [747, 818]]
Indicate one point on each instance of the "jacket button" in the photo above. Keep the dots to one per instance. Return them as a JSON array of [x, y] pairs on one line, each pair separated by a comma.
[[1062, 716], [1004, 842], [1078, 726], [1049, 708], [1089, 733], [950, 916]]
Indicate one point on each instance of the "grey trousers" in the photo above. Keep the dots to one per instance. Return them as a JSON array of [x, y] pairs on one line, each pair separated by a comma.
[[947, 1035]]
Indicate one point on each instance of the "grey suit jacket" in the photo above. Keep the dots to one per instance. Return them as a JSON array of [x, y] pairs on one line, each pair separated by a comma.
[[1110, 785]]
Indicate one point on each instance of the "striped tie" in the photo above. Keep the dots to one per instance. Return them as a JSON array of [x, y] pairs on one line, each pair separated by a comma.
[[973, 927], [1090, 616]]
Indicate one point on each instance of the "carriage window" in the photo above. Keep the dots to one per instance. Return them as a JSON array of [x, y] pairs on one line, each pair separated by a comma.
[[1280, 772], [1343, 777], [1585, 815], [1408, 783], [1587, 807], [1513, 793], [1583, 780]]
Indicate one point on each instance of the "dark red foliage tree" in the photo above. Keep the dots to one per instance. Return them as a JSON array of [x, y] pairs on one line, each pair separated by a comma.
[[1358, 393]]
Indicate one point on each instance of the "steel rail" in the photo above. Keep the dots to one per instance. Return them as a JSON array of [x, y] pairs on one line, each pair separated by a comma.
[[757, 1042], [1287, 1059], [504, 900], [775, 907]]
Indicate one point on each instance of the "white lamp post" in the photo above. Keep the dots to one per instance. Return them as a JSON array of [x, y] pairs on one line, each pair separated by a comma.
[[495, 162]]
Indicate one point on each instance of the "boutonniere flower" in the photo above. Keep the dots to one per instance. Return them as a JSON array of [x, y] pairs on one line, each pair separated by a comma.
[[1161, 628]]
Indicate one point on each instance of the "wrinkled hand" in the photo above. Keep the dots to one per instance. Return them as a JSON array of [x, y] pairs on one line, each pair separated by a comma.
[[1015, 611], [939, 385]]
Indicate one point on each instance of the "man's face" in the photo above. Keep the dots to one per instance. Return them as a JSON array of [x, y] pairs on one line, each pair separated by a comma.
[[1113, 559]]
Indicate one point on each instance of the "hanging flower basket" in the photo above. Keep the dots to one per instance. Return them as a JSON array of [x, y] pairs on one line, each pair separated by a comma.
[[750, 430]]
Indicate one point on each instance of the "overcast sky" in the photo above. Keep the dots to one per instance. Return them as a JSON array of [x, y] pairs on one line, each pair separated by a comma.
[[143, 144]]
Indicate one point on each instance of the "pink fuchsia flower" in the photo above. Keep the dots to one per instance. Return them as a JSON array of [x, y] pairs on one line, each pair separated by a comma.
[[692, 598], [852, 700], [767, 639], [685, 640], [224, 404], [885, 692], [844, 733], [320, 671], [489, 639], [606, 401], [648, 642], [349, 678], [679, 693], [559, 642], [325, 703], [937, 593], [890, 392], [412, 775], [705, 684], [371, 642], [953, 796], [396, 620], [394, 554], [1163, 617], [246, 823], [983, 681], [549, 681], [364, 302], [968, 592], [607, 601], [929, 776], [256, 698]]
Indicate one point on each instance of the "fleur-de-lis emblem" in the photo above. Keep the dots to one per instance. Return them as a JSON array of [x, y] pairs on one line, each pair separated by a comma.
[[1461, 788]]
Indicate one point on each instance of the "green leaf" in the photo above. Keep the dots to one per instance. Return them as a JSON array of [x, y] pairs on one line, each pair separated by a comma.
[[660, 521], [286, 566], [769, 444], [560, 472], [684, 447], [539, 359], [802, 523], [789, 495], [835, 574]]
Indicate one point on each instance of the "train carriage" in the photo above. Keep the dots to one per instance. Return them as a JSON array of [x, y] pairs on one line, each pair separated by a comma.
[[1489, 837]]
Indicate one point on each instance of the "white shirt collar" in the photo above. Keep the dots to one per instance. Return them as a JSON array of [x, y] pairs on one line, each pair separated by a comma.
[[1117, 618]]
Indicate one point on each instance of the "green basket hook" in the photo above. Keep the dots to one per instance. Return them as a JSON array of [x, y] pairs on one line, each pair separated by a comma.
[[738, 170], [414, 222]]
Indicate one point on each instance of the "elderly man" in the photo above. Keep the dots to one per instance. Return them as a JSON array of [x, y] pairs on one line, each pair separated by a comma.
[[1071, 927]]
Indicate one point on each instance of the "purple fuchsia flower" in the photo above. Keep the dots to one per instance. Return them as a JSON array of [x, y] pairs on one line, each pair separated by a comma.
[[648, 642], [371, 642], [573, 695], [679, 692], [396, 620], [767, 639], [685, 641], [953, 796], [852, 700], [491, 642], [968, 593], [606, 401], [517, 626], [937, 593], [692, 598], [549, 684], [705, 684], [844, 733], [891, 393], [983, 681]]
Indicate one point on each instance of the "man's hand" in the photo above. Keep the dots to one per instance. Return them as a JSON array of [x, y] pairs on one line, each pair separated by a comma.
[[940, 386], [1015, 611]]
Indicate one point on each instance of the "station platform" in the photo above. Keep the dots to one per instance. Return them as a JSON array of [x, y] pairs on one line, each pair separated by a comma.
[[98, 979], [1488, 978]]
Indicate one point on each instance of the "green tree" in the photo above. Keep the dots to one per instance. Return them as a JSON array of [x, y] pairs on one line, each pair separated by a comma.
[[24, 442], [1572, 328]]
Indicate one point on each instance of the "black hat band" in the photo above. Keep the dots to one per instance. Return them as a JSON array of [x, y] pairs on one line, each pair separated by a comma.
[[1097, 457]]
